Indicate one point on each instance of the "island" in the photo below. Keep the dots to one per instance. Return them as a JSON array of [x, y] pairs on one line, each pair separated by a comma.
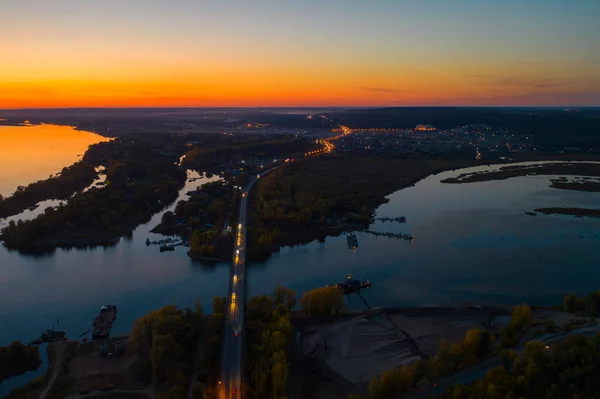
[[570, 211], [579, 168]]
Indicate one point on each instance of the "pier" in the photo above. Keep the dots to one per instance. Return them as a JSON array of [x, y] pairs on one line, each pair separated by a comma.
[[400, 219], [401, 236], [352, 241]]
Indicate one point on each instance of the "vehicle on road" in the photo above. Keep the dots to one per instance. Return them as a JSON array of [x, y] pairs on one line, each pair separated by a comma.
[[233, 298]]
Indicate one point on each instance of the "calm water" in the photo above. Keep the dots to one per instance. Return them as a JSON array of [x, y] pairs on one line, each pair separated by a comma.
[[32, 153], [472, 244]]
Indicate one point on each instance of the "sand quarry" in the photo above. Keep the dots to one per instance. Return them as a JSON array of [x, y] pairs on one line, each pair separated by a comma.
[[361, 347]]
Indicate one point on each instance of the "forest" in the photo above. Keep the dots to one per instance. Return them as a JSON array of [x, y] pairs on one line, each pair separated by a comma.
[[231, 151], [17, 358], [139, 183], [176, 345], [568, 369], [269, 337], [201, 219]]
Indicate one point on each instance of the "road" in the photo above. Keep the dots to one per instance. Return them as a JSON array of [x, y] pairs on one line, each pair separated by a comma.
[[231, 374], [231, 370], [60, 349]]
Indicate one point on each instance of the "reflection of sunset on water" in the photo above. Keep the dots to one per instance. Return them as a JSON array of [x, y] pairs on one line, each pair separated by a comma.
[[31, 153]]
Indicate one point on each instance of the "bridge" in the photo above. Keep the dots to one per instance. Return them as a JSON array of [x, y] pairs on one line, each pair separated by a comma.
[[231, 368], [231, 372]]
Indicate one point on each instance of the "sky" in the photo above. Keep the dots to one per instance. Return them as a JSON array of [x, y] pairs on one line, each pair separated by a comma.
[[115, 53]]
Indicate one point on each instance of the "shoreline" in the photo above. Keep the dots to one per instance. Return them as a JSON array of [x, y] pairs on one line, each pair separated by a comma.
[[342, 227], [571, 167], [577, 212]]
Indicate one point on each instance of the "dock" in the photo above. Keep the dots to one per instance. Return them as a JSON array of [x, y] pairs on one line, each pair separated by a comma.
[[402, 236], [352, 241], [49, 336], [104, 321], [400, 219]]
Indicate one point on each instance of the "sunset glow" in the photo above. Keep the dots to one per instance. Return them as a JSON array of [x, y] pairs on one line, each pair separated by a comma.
[[69, 53]]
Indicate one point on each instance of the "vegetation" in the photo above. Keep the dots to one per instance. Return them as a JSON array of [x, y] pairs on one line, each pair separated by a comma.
[[16, 359], [269, 338], [519, 319], [327, 195], [569, 370], [201, 220], [70, 180], [570, 211], [232, 150], [27, 390], [322, 301], [506, 172], [139, 183], [588, 186], [164, 338], [477, 345], [590, 304]]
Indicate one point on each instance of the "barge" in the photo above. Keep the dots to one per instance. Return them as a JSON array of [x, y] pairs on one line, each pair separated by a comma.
[[104, 321]]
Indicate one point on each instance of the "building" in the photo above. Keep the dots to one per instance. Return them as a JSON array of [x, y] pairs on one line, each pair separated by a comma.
[[424, 128]]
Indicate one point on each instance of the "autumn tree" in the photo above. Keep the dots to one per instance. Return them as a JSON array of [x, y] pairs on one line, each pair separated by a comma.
[[322, 301]]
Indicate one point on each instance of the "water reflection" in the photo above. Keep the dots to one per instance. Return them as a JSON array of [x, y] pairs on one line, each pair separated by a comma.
[[33, 152]]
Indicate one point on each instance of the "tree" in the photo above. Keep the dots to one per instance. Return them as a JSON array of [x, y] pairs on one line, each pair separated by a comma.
[[322, 301], [219, 304], [521, 316], [285, 296]]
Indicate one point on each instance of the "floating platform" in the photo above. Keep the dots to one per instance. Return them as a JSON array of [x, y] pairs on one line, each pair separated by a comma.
[[104, 321], [352, 285]]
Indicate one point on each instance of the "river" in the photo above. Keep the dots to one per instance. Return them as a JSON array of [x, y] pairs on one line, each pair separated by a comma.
[[472, 244], [33, 152]]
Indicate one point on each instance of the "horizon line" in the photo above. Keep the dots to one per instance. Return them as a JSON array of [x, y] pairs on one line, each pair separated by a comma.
[[299, 106]]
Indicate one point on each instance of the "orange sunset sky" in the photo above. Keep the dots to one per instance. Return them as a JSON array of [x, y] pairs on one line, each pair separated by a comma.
[[73, 53]]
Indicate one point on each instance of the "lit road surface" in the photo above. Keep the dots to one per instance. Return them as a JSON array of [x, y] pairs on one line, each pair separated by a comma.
[[231, 373]]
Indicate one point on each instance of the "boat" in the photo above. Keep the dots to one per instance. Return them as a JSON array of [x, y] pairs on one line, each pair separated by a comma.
[[166, 247]]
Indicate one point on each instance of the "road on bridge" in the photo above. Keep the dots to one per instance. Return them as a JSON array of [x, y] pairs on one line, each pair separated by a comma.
[[231, 372]]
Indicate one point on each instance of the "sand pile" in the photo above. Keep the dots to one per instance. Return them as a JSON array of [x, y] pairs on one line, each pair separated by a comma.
[[357, 349]]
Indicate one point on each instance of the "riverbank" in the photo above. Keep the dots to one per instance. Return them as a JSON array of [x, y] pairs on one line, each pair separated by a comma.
[[572, 168], [334, 194], [340, 355]]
